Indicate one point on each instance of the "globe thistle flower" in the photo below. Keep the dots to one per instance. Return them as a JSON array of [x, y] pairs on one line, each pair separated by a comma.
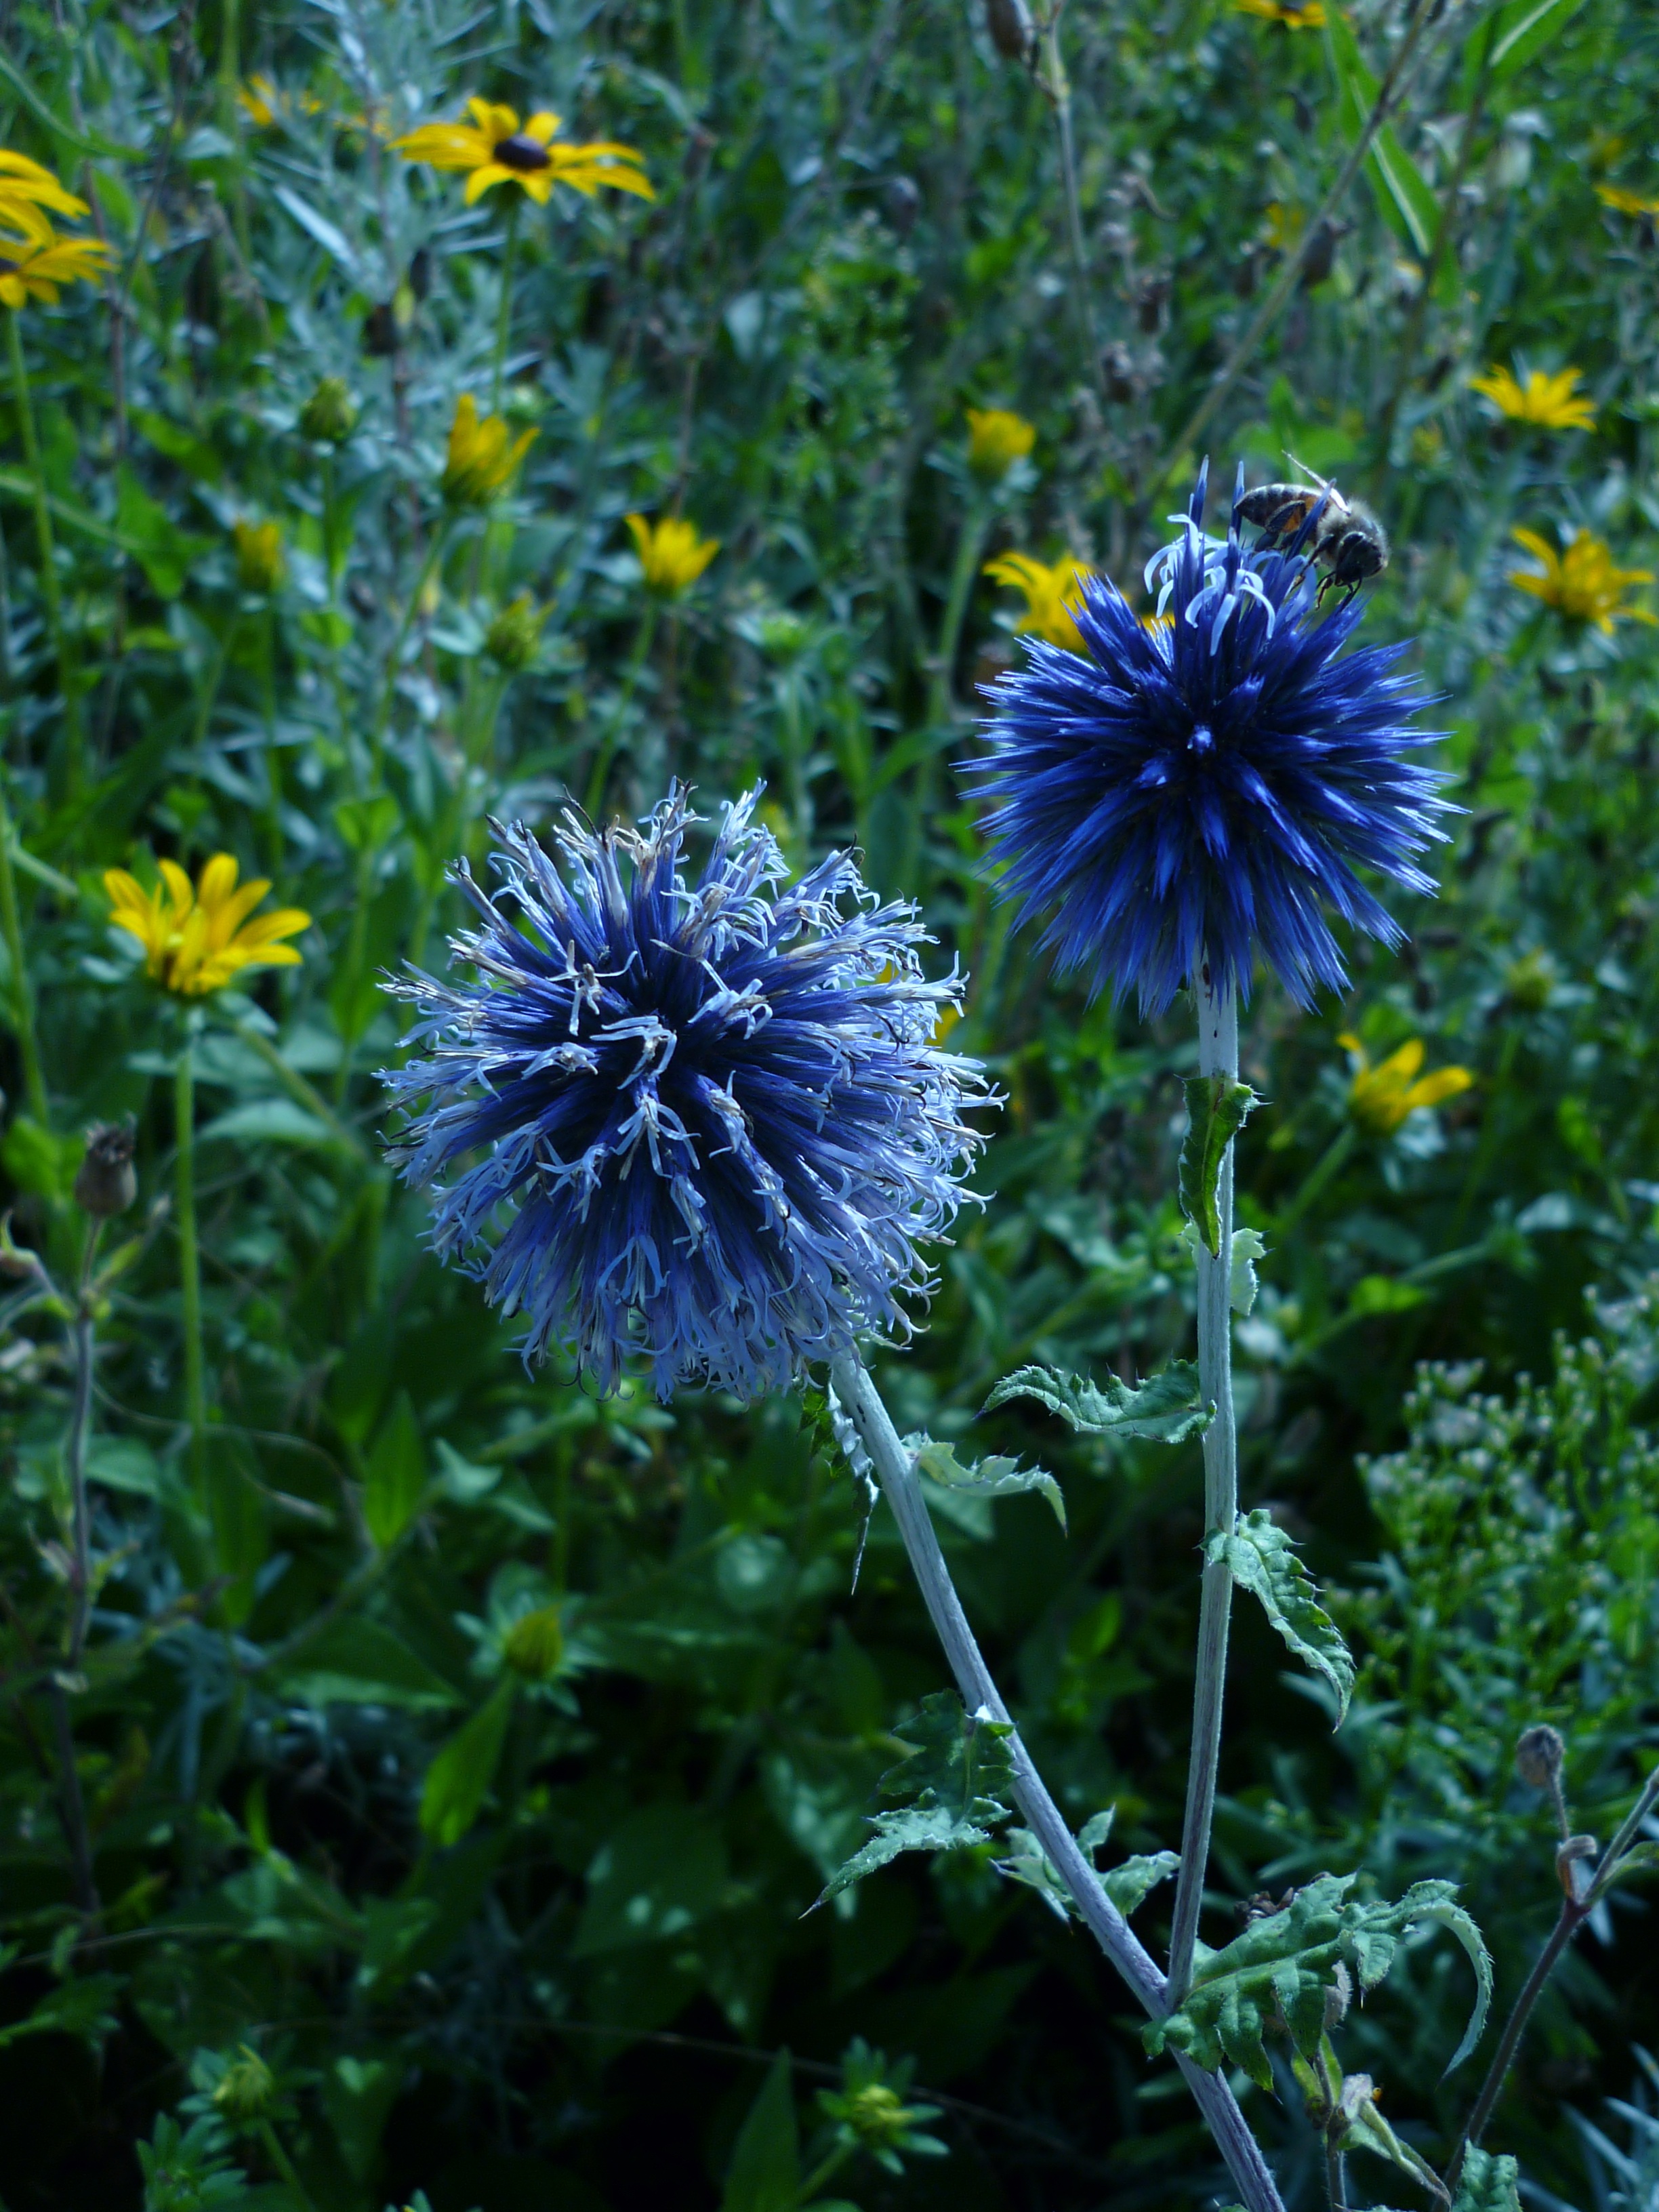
[[1179, 795], [705, 1121]]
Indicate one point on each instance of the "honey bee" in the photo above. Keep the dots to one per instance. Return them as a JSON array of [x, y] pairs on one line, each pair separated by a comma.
[[1348, 541]]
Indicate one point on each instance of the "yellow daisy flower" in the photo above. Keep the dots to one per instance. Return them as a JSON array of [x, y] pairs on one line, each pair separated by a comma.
[[1294, 14], [198, 938], [997, 438], [1582, 583], [670, 552], [1549, 402], [34, 266], [1052, 590], [260, 101], [1380, 1098], [25, 183], [481, 463], [498, 152], [1615, 195]]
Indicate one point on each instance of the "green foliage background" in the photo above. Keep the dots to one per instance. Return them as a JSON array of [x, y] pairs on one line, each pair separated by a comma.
[[524, 1939]]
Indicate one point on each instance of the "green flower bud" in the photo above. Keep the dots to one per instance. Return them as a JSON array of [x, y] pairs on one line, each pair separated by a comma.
[[512, 638], [329, 417], [248, 2090], [258, 555], [535, 1644]]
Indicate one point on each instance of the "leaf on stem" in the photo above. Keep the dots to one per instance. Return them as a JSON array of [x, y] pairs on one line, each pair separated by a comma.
[[939, 1795], [1487, 2182], [1165, 1409], [996, 1477], [1263, 1560], [1217, 1108], [1278, 1972]]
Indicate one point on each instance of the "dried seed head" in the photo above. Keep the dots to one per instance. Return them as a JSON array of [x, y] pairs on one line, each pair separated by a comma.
[[106, 1183], [1538, 1757]]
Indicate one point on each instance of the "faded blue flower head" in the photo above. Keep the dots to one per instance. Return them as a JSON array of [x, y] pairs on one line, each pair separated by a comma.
[[1204, 785], [697, 1119]]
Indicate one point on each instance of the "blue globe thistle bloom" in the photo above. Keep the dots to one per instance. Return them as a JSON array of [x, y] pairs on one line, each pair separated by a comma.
[[697, 1119], [1209, 782]]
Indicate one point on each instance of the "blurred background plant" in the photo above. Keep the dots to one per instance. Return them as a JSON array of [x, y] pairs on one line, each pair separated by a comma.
[[445, 1759]]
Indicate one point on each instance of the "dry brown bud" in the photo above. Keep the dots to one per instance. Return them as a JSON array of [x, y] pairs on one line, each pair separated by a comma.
[[106, 1183], [1009, 22], [1538, 1756]]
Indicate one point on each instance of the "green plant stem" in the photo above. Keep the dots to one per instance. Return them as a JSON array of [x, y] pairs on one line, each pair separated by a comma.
[[1329, 1163], [599, 773], [83, 1353], [273, 757], [72, 1808], [970, 539], [303, 1093], [22, 995], [896, 1469], [504, 315], [189, 1263], [388, 690], [215, 677], [1289, 276], [283, 2163], [824, 2170], [1218, 1054], [1056, 86], [75, 743], [1573, 1918]]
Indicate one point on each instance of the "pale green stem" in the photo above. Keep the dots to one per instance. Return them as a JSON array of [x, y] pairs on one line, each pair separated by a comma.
[[1058, 87], [1330, 1161], [504, 317], [971, 537], [273, 757], [456, 822], [1218, 1054], [215, 677], [356, 952], [388, 690], [283, 2163], [22, 996], [63, 645], [189, 1263], [600, 775]]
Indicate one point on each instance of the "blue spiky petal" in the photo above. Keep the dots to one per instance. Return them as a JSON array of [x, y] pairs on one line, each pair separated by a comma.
[[1197, 793], [696, 1120]]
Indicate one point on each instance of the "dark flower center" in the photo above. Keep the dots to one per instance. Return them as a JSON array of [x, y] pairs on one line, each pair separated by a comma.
[[8, 268], [519, 152], [1202, 739]]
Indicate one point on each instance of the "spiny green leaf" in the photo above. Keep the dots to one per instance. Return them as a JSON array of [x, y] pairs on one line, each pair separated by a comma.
[[1250, 1245], [1263, 1560], [1487, 2182], [996, 1477], [1131, 1883], [1277, 1973], [940, 1791], [1128, 1885], [1165, 1409], [1217, 1108]]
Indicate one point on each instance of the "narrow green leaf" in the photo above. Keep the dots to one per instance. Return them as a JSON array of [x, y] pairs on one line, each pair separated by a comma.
[[395, 1478], [1165, 1409], [1436, 1901], [996, 1477], [1216, 1109], [458, 1781], [1403, 194], [764, 2175], [1263, 1560], [1518, 31]]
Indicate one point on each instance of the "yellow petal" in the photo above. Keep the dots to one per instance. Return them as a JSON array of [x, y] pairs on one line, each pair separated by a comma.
[[1402, 1065], [541, 126], [1444, 1083]]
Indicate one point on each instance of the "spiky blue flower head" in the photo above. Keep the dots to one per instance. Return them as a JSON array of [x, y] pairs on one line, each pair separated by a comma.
[[1202, 788], [697, 1118]]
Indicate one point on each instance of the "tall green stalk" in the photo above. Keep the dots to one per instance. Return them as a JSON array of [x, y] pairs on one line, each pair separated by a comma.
[[22, 996], [62, 644], [504, 315], [190, 1261]]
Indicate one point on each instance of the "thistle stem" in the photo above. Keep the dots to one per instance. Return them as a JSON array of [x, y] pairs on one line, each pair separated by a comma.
[[1218, 1054], [1573, 1917], [189, 1263], [83, 1342], [23, 997], [893, 1464], [75, 746], [504, 317]]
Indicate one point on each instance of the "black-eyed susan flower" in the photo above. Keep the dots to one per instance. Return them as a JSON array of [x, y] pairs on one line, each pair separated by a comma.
[[35, 260], [671, 555], [197, 938], [1382, 1098], [24, 183], [1053, 591], [997, 438], [497, 151], [1548, 402], [1294, 14], [480, 462], [1583, 583]]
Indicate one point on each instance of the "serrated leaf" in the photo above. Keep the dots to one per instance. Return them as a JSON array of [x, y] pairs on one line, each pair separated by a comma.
[[1264, 1561], [1029, 1862], [1278, 1972], [1249, 1246], [996, 1477], [1165, 1409], [1487, 2182], [1131, 1883], [1218, 1107], [938, 1794]]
